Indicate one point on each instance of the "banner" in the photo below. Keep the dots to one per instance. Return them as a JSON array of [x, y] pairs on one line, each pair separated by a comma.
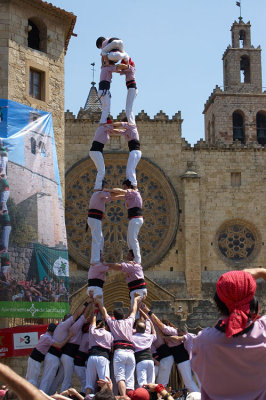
[[34, 269], [20, 340]]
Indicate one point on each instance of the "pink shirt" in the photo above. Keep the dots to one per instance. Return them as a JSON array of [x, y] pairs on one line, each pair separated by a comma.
[[98, 200], [76, 329], [84, 343], [131, 132], [121, 329], [102, 134], [143, 341], [170, 331], [98, 271], [45, 342], [133, 199], [133, 272], [231, 368], [100, 337], [159, 340], [106, 73], [61, 331], [129, 73]]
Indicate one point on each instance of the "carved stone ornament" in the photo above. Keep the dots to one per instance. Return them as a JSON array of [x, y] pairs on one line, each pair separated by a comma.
[[237, 242], [160, 211]]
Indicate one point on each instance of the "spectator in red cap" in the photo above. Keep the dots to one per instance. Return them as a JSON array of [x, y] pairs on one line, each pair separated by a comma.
[[230, 359]]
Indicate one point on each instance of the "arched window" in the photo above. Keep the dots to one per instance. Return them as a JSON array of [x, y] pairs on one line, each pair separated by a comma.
[[33, 145], [244, 69], [37, 34], [238, 127], [42, 149], [261, 127], [242, 35]]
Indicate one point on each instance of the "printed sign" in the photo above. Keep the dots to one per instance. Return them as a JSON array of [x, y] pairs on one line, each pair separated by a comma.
[[34, 268]]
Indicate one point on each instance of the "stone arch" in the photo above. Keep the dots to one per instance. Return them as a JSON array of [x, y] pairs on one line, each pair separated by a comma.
[[245, 69], [238, 121], [160, 210], [37, 34], [242, 38], [261, 127]]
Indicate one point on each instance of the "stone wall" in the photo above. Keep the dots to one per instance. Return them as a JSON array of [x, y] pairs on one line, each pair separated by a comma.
[[219, 110], [205, 205]]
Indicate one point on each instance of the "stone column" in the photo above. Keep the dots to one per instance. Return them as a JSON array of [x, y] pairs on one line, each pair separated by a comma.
[[191, 190]]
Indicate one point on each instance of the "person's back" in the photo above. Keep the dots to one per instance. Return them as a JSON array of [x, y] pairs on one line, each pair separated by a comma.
[[231, 368], [230, 359]]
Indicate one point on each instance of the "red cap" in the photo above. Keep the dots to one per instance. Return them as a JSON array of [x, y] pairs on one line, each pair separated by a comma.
[[235, 289], [139, 394]]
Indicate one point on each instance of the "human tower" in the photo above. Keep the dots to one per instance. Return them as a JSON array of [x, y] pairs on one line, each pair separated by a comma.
[[116, 60]]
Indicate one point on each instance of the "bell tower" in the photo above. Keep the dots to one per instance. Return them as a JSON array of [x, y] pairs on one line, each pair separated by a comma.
[[238, 110], [242, 62]]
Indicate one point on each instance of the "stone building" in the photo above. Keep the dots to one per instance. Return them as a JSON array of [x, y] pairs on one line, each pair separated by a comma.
[[203, 205], [34, 37]]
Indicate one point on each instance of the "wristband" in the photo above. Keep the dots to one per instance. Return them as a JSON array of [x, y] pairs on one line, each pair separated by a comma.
[[86, 304], [150, 313], [159, 388]]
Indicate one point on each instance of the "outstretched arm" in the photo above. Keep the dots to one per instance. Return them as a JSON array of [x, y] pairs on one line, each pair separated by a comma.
[[153, 317], [103, 310], [134, 310], [24, 389], [257, 272], [153, 331], [115, 266]]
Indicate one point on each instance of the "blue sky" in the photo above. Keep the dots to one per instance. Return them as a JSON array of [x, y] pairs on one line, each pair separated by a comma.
[[177, 47]]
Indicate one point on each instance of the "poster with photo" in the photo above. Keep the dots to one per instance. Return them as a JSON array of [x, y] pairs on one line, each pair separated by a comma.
[[34, 269]]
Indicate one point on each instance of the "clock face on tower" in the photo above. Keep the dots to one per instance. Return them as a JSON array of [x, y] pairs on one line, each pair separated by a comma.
[[160, 211]]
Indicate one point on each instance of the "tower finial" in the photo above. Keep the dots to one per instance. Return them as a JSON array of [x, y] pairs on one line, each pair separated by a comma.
[[238, 3], [93, 70]]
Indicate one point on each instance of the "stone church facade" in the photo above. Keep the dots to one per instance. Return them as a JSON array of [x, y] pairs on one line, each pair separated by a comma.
[[204, 206]]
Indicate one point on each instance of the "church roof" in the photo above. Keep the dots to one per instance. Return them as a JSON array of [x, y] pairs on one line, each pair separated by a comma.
[[93, 104]]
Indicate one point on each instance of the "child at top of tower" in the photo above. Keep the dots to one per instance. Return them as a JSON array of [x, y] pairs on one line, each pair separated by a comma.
[[112, 49]]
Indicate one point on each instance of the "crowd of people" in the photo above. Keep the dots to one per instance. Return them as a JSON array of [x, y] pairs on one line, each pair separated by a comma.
[[228, 360], [48, 290]]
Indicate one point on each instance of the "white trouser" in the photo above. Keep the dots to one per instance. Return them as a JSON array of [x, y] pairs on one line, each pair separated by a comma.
[[117, 56], [185, 371], [97, 239], [97, 158], [96, 290], [68, 366], [116, 44], [131, 95], [51, 364], [141, 292], [105, 99], [164, 370], [96, 366], [132, 162], [57, 382], [134, 225], [124, 367], [145, 372], [81, 374], [33, 371]]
